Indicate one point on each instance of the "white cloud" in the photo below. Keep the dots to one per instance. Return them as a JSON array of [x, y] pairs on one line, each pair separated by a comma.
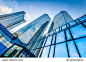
[[5, 9], [27, 17], [13, 4]]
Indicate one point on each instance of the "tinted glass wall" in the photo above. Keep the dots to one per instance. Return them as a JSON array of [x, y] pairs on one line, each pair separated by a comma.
[[68, 40]]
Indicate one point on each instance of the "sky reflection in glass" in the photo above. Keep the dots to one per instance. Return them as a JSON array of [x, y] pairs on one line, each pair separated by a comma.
[[68, 34], [78, 31], [45, 52], [81, 44], [61, 50], [72, 49], [48, 42], [51, 51], [60, 37]]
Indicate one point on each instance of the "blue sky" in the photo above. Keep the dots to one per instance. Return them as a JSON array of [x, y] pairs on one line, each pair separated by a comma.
[[35, 8]]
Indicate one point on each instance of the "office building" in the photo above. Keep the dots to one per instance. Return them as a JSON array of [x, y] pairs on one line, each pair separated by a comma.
[[66, 41], [34, 29], [12, 20], [60, 19]]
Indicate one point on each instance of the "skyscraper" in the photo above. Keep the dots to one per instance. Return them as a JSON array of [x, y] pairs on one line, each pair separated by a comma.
[[60, 19], [12, 20], [68, 40], [35, 28]]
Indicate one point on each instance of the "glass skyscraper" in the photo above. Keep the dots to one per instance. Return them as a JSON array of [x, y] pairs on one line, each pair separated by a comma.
[[60, 19], [68, 40], [12, 20], [34, 29]]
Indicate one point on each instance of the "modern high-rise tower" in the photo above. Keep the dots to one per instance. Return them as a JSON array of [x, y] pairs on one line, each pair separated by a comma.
[[60, 19], [12, 20], [34, 29]]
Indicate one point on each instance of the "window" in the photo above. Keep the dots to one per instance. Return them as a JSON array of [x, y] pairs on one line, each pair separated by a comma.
[[68, 34], [77, 21], [57, 30], [53, 41], [72, 23], [48, 42], [45, 52], [60, 37], [51, 51], [82, 18], [84, 23], [81, 44], [72, 49], [64, 27], [60, 50], [78, 31]]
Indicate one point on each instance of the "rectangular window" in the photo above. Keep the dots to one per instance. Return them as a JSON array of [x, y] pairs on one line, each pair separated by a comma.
[[48, 42], [78, 31], [61, 50], [82, 18], [77, 21], [51, 51], [64, 27], [72, 23], [45, 52], [81, 44], [72, 49], [68, 34], [60, 37], [53, 41]]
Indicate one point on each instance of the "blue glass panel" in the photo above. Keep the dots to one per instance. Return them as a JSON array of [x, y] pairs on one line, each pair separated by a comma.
[[48, 42], [82, 18], [60, 37], [45, 52], [68, 25], [53, 41], [51, 51], [68, 34], [81, 44], [57, 30], [61, 50], [72, 49], [72, 23], [64, 27], [51, 32], [78, 31], [77, 21], [84, 23]]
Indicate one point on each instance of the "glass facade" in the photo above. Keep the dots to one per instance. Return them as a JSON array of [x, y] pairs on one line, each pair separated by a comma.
[[34, 29], [68, 40], [60, 19], [12, 20]]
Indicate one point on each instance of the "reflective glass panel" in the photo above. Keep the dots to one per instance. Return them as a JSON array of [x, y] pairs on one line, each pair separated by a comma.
[[72, 23], [53, 41], [81, 44], [48, 42], [82, 18], [68, 34], [60, 37], [61, 50], [78, 31], [57, 30], [64, 27], [45, 52], [77, 21], [84, 23], [72, 49], [51, 51]]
